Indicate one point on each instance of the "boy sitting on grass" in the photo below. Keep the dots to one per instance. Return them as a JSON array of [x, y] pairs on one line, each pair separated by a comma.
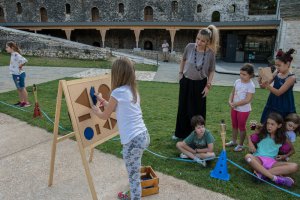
[[199, 144]]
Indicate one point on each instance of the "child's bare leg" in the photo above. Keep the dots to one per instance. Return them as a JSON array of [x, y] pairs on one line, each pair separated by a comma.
[[256, 164], [184, 148], [234, 135], [20, 95], [206, 155], [242, 137], [284, 168], [24, 95]]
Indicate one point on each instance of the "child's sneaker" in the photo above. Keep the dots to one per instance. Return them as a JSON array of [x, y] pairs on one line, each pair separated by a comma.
[[18, 103], [25, 104], [182, 155], [199, 161], [287, 181], [230, 144], [238, 148], [175, 137], [124, 195]]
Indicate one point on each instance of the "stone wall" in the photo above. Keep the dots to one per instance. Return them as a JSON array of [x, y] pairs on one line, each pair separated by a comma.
[[290, 38], [41, 45], [133, 10], [289, 9]]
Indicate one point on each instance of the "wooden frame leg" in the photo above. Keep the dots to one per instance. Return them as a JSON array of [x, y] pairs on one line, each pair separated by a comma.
[[55, 132]]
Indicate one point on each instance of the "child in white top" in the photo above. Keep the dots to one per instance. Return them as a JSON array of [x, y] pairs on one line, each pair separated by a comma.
[[16, 69], [133, 132], [239, 101]]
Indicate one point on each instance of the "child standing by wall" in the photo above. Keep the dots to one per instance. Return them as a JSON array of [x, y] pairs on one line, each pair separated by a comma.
[[281, 98], [199, 144], [239, 101], [133, 132], [270, 139], [165, 50], [16, 69]]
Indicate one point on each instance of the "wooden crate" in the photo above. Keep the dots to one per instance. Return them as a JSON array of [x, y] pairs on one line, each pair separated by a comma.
[[149, 181]]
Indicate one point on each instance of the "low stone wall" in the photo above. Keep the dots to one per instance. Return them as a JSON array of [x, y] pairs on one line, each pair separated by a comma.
[[151, 54], [40, 45]]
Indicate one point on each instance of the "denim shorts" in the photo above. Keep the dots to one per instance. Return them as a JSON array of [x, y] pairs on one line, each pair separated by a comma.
[[19, 80]]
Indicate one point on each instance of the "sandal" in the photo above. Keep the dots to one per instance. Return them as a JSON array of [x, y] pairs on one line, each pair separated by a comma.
[[238, 148], [230, 144], [124, 195]]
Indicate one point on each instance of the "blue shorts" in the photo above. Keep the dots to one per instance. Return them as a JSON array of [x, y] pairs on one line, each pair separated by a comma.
[[19, 80]]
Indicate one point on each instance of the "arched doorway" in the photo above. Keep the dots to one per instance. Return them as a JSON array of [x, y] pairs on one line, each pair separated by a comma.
[[148, 45], [43, 13], [2, 18], [96, 44], [148, 14], [215, 17], [95, 14]]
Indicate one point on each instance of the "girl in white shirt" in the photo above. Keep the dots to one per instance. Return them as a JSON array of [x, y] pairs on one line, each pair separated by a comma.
[[16, 69], [125, 101], [239, 101]]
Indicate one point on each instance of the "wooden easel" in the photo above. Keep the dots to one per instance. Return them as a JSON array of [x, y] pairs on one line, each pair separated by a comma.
[[66, 87]]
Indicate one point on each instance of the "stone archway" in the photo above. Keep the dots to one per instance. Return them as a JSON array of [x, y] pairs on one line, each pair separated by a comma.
[[96, 44], [2, 16], [148, 45], [215, 17]]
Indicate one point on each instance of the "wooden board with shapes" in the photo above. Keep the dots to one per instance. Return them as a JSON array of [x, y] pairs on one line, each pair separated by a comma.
[[91, 128]]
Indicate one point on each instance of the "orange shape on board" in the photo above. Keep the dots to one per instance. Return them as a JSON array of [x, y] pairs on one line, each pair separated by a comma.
[[107, 125], [113, 122], [83, 99], [105, 91]]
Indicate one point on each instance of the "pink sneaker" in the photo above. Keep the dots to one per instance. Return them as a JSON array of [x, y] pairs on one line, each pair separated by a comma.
[[124, 195], [25, 104], [287, 181]]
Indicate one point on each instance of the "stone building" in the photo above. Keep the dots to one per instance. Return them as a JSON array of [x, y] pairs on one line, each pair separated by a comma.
[[289, 30], [248, 28]]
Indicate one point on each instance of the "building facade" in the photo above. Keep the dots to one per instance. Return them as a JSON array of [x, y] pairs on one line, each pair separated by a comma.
[[248, 28]]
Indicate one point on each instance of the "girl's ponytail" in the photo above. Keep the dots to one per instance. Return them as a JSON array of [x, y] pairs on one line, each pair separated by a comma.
[[13, 46], [214, 38], [286, 57]]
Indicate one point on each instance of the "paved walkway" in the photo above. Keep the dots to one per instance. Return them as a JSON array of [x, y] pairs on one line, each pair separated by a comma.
[[24, 170], [25, 150]]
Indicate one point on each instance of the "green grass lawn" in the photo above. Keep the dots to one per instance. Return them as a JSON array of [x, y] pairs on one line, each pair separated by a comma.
[[66, 62], [159, 105]]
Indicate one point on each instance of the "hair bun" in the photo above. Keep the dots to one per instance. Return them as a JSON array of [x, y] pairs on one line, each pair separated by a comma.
[[290, 51]]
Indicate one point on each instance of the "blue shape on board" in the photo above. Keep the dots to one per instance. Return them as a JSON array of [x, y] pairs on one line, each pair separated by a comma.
[[220, 170], [92, 94], [88, 133]]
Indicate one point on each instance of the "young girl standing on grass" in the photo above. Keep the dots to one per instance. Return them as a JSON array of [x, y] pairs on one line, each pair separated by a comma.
[[270, 138], [133, 132], [281, 98], [239, 101], [16, 65]]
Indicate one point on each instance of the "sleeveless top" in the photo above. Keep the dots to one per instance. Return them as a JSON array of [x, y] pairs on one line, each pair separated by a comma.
[[285, 102]]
